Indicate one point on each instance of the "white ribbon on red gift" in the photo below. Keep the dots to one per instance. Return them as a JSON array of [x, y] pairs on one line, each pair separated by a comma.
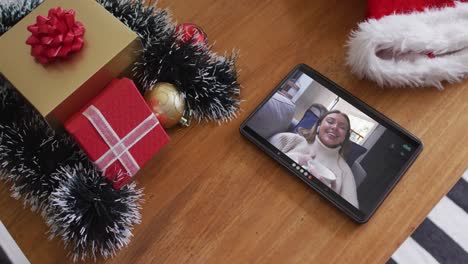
[[118, 148]]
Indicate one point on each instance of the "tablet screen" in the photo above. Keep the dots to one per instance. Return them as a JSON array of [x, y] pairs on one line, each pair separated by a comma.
[[334, 142]]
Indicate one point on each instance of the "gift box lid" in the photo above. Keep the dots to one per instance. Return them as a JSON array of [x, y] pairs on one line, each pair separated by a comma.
[[101, 59]]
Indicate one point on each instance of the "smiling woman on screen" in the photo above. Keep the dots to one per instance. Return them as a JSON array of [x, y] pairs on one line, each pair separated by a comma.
[[320, 150]]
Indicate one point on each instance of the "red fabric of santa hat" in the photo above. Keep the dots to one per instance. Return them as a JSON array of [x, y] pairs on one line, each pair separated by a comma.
[[411, 43]]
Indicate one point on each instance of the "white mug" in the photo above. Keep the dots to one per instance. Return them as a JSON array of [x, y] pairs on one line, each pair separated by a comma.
[[321, 172]]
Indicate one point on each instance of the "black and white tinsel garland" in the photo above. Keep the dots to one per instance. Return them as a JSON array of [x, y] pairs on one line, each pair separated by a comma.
[[12, 11], [206, 80], [51, 174], [30, 153], [89, 214], [40, 164]]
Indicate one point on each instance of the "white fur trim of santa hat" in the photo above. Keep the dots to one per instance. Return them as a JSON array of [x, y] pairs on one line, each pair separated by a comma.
[[418, 49]]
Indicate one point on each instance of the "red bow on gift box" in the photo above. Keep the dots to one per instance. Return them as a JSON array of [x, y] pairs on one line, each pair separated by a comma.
[[56, 35]]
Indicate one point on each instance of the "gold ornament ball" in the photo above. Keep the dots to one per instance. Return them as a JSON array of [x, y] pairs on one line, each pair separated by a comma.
[[166, 103]]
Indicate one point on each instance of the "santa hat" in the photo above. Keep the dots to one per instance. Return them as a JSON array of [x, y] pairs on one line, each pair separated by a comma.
[[411, 42]]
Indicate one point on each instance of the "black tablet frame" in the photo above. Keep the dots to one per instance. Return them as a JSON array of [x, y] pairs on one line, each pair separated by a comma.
[[314, 183]]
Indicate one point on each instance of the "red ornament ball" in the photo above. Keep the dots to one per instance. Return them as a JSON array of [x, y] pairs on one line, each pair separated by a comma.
[[55, 36], [191, 33]]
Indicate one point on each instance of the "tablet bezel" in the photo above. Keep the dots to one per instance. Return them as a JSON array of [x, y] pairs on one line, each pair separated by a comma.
[[314, 183]]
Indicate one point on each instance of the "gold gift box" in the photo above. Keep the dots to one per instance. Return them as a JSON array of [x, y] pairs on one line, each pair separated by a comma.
[[61, 88]]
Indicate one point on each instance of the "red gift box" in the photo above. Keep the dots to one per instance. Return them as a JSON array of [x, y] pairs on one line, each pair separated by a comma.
[[118, 131]]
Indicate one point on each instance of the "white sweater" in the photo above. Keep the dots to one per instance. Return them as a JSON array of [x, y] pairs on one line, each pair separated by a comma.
[[295, 145]]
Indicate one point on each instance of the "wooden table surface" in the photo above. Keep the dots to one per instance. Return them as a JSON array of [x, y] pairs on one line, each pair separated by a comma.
[[213, 197]]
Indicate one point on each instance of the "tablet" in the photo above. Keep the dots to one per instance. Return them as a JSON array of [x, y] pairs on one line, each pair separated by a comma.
[[338, 145]]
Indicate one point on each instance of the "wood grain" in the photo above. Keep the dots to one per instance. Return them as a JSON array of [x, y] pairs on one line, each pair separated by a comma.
[[212, 197]]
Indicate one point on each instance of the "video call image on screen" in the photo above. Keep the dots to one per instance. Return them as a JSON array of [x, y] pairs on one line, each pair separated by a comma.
[[335, 142]]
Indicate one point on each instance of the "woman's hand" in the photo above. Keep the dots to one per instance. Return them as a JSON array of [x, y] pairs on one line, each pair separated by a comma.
[[303, 159]]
